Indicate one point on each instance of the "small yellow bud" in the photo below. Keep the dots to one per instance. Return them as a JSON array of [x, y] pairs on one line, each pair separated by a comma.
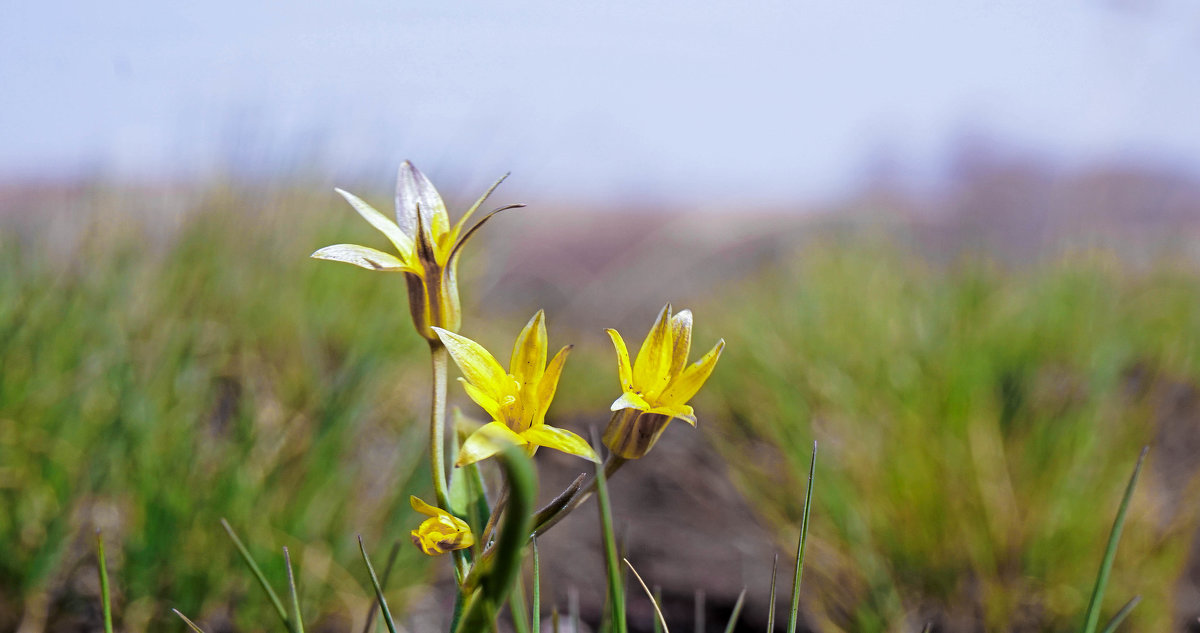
[[441, 532]]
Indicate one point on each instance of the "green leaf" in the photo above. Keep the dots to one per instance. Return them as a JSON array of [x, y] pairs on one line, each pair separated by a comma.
[[297, 621], [383, 605], [105, 598], [262, 580], [1092, 617], [771, 608], [1112, 625], [616, 591], [795, 608], [737, 611], [191, 625]]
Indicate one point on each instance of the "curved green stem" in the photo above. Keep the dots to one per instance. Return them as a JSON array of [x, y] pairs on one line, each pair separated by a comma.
[[437, 424], [437, 441]]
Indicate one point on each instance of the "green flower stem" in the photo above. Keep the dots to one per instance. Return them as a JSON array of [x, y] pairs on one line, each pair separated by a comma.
[[437, 442], [501, 570]]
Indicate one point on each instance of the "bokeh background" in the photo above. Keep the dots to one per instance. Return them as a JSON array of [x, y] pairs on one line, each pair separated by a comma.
[[954, 242]]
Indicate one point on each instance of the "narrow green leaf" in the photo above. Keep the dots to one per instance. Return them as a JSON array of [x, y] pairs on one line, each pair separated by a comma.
[[297, 621], [1092, 618], [105, 596], [658, 626], [387, 573], [771, 608], [262, 580], [616, 592], [795, 607], [536, 612], [383, 605], [190, 624], [654, 603], [1112, 625], [737, 611]]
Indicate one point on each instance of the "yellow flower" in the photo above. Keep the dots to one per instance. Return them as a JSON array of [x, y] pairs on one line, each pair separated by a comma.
[[516, 399], [441, 532], [658, 385], [427, 248]]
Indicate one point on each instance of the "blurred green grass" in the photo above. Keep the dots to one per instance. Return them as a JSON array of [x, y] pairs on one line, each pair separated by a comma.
[[977, 421], [977, 424]]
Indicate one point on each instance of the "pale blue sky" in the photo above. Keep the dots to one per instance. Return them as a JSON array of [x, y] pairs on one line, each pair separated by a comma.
[[764, 100]]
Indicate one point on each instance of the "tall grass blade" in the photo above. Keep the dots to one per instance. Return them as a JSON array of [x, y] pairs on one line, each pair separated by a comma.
[[105, 597], [658, 626], [387, 573], [771, 608], [1092, 619], [737, 612], [795, 607], [657, 611], [262, 580], [297, 621], [191, 625], [383, 605], [616, 592], [1112, 625], [536, 611]]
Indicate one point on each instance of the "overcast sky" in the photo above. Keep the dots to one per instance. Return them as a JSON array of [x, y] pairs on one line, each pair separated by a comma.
[[767, 100]]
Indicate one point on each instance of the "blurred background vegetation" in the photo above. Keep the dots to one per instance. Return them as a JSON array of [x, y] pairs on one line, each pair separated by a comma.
[[980, 368]]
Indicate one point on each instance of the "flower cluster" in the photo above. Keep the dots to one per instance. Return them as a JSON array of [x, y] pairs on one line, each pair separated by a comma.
[[655, 387]]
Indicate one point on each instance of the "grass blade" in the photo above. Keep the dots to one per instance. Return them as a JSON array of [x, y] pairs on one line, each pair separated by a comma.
[[536, 610], [795, 608], [658, 626], [653, 602], [737, 611], [1112, 625], [105, 597], [190, 624], [387, 573], [298, 623], [616, 592], [262, 580], [383, 605], [1092, 618], [771, 609]]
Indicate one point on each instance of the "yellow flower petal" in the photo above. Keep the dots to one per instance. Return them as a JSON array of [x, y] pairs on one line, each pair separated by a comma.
[[681, 341], [402, 242], [630, 400], [692, 378], [653, 362], [490, 439], [682, 411], [483, 399], [624, 370], [549, 384], [528, 361], [424, 508], [561, 440], [478, 366], [363, 257]]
